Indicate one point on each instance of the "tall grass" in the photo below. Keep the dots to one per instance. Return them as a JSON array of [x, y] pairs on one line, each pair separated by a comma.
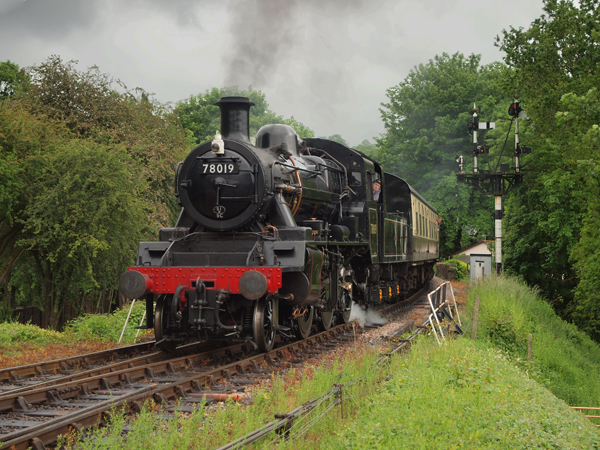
[[564, 359], [461, 395]]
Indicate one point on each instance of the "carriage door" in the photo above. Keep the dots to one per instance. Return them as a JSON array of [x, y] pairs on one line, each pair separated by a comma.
[[373, 219]]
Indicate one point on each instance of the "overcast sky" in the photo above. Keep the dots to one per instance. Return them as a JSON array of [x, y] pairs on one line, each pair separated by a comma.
[[328, 63]]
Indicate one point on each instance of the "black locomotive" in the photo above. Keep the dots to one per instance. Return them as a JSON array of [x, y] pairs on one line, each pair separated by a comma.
[[279, 236]]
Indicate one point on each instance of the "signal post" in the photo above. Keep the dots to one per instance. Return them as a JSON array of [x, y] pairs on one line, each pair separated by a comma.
[[502, 178]]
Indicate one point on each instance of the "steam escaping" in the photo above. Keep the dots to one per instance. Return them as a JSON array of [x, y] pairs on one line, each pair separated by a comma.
[[366, 316]]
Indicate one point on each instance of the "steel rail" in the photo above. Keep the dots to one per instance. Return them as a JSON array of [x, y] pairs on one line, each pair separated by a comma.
[[404, 303], [56, 365], [37, 395], [109, 368]]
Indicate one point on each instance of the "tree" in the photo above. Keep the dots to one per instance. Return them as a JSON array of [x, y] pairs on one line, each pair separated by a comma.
[[94, 106], [82, 222], [559, 53], [366, 147], [337, 138], [12, 79], [554, 68], [202, 119], [86, 174], [426, 121]]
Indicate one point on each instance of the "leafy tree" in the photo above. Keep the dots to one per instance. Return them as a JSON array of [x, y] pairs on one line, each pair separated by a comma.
[[202, 119], [21, 136], [559, 53], [426, 119], [94, 106], [82, 223], [427, 114], [86, 174], [366, 147], [336, 138], [554, 67], [12, 79]]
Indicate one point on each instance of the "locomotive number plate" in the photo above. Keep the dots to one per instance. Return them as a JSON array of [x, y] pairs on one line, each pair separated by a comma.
[[225, 167]]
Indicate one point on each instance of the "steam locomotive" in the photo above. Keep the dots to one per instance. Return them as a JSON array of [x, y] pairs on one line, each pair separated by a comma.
[[278, 237]]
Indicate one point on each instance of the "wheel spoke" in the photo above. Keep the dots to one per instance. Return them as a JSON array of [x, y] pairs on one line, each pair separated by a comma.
[[304, 324], [161, 323], [263, 324]]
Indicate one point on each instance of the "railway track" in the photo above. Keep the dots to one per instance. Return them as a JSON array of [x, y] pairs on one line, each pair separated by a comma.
[[32, 376], [36, 412], [15, 375], [35, 418]]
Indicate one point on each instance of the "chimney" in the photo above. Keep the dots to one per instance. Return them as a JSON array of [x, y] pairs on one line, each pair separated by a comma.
[[235, 118]]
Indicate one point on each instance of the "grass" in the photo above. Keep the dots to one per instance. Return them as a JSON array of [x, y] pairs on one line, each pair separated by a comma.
[[459, 395], [462, 395], [564, 359]]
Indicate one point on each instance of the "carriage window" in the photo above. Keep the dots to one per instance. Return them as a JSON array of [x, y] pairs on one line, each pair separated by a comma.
[[356, 179]]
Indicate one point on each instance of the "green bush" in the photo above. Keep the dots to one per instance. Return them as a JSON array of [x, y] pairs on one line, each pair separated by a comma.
[[108, 327], [6, 314], [13, 333], [462, 269]]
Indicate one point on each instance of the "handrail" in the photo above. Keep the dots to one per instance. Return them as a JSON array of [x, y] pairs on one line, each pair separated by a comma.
[[442, 306]]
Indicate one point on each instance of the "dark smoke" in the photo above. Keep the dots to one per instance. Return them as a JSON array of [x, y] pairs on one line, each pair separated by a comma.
[[265, 33], [262, 30]]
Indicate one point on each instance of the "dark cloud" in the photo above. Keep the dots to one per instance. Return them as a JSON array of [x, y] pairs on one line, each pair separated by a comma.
[[48, 20], [54, 20]]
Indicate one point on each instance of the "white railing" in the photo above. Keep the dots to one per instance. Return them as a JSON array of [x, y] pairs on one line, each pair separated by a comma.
[[441, 307]]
